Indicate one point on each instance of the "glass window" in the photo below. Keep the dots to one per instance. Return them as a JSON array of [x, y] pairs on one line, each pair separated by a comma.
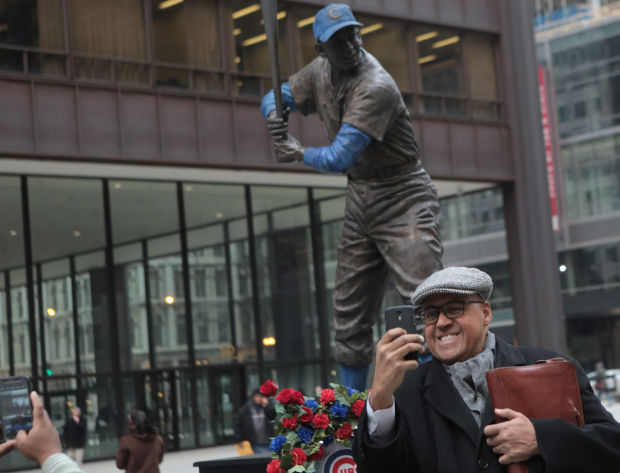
[[111, 30], [284, 263], [440, 71], [12, 296], [223, 327], [187, 33], [251, 56], [387, 41], [58, 317], [67, 222], [480, 54], [303, 20], [32, 23], [155, 227]]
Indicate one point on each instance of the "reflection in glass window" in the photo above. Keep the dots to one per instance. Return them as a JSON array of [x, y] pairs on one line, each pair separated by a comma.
[[387, 41], [112, 30], [474, 213], [251, 56], [187, 33], [32, 23], [440, 71], [481, 75], [57, 317], [91, 278], [591, 175], [284, 261]]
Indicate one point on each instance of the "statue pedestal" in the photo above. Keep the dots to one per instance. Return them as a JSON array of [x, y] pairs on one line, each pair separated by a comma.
[[256, 463]]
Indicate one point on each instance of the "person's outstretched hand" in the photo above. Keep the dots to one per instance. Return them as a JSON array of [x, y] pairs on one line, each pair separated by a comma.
[[6, 447], [391, 366], [42, 441]]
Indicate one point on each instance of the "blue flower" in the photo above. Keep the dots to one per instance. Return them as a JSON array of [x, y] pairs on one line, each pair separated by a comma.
[[339, 411], [311, 403], [351, 391], [305, 434], [276, 443], [327, 441]]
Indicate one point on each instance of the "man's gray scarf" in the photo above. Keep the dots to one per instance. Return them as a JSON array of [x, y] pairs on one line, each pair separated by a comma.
[[470, 380]]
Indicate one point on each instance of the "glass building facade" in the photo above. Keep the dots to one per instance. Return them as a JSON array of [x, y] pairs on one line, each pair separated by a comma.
[[179, 295], [581, 55]]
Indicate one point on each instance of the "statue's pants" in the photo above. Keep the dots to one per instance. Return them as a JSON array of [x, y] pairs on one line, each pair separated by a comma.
[[391, 226]]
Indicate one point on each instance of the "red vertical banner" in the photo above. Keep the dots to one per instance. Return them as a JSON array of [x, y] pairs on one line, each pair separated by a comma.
[[546, 127]]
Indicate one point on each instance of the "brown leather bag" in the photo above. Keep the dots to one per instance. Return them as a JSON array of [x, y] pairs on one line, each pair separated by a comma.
[[545, 390]]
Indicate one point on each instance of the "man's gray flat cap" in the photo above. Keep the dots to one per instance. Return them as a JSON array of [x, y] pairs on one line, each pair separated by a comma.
[[454, 280]]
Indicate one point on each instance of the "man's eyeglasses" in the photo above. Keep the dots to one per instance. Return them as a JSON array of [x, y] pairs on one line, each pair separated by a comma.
[[452, 310]]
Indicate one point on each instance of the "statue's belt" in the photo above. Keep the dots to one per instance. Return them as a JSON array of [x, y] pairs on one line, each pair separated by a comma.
[[382, 173]]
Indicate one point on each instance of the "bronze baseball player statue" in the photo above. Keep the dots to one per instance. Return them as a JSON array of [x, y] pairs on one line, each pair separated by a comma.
[[391, 223]]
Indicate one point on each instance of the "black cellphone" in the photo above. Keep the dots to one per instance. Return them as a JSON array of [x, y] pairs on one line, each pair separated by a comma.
[[402, 316], [15, 405]]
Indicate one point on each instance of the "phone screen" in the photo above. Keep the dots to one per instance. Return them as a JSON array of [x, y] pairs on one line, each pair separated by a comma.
[[15, 406]]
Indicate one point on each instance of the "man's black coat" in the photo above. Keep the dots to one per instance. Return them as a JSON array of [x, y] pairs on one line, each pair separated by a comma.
[[435, 431]]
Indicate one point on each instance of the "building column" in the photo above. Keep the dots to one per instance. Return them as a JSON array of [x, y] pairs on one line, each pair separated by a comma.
[[533, 261]]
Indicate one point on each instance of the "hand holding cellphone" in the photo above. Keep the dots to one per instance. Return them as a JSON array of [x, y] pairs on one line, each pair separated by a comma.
[[15, 406], [402, 316]]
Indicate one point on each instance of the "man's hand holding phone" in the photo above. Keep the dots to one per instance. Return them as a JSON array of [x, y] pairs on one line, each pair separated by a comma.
[[391, 363], [42, 441]]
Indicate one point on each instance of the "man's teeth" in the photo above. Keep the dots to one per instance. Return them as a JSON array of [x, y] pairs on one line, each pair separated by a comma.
[[446, 337]]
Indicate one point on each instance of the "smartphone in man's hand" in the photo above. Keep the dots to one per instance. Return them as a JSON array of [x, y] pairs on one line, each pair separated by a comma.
[[15, 406], [402, 316]]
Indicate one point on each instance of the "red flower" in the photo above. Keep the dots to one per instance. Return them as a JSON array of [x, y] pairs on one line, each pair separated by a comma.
[[274, 467], [307, 417], [290, 422], [344, 432], [327, 396], [357, 407], [299, 398], [290, 396], [320, 421], [269, 388], [318, 454], [299, 456]]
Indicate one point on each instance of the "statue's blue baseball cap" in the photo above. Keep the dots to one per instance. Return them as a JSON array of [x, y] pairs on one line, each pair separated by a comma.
[[332, 18]]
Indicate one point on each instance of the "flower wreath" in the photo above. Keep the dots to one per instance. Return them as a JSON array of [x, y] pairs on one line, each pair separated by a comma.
[[305, 426]]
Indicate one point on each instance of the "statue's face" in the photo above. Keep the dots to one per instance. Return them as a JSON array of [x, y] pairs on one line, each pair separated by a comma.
[[343, 49]]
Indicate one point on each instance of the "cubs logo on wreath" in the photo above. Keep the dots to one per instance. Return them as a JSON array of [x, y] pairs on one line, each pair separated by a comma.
[[340, 461]]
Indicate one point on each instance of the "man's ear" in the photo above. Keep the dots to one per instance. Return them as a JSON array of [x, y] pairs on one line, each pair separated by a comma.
[[487, 313], [320, 49]]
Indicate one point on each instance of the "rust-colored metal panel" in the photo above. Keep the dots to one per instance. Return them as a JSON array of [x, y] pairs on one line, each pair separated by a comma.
[[99, 127], [463, 148], [140, 126], [435, 137], [401, 8], [364, 5], [252, 140], [482, 14], [495, 155], [179, 129], [16, 133], [425, 10], [55, 118], [217, 132], [451, 11]]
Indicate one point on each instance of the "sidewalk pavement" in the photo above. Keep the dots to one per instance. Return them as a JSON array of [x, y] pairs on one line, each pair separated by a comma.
[[183, 461], [174, 462]]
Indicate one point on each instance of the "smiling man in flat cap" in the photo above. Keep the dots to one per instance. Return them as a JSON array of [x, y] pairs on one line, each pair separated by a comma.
[[436, 417], [391, 223]]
